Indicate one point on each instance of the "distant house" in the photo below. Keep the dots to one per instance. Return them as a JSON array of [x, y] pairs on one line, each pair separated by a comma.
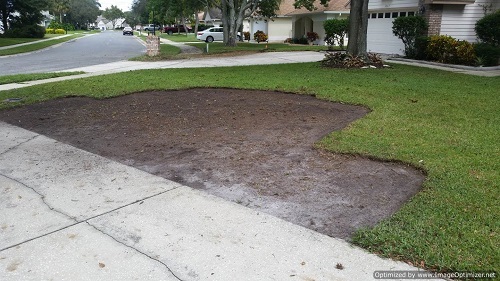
[[455, 18], [212, 16], [295, 23], [102, 23]]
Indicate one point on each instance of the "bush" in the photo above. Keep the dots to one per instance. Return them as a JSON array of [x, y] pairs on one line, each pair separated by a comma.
[[488, 29], [421, 47], [447, 49], [260, 36], [29, 31], [409, 29], [487, 54], [312, 36], [246, 35], [50, 31], [336, 30], [60, 31], [300, 40]]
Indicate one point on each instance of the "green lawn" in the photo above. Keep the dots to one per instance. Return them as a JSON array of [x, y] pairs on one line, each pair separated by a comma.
[[19, 78], [13, 41], [444, 123], [41, 44], [219, 47]]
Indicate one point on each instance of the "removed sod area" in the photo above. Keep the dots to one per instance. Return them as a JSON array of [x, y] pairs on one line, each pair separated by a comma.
[[444, 123]]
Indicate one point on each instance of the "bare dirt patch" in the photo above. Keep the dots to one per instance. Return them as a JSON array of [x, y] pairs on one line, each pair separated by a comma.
[[251, 147]]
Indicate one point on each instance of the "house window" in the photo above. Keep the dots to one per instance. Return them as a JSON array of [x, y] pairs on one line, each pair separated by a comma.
[[402, 14], [374, 16], [380, 15], [410, 14], [387, 15], [395, 14]]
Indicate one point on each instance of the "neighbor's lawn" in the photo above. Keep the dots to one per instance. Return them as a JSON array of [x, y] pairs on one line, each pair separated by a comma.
[[447, 124], [190, 37], [37, 46], [14, 41]]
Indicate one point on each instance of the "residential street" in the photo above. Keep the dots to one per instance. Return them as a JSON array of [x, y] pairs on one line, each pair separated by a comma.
[[104, 47]]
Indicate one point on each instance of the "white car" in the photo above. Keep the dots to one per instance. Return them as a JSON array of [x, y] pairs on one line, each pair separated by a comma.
[[212, 34]]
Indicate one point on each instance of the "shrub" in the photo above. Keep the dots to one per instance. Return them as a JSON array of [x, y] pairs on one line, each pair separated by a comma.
[[409, 29], [56, 25], [336, 30], [60, 31], [447, 49], [300, 40], [50, 31], [246, 35], [312, 36], [487, 54], [488, 29], [260, 36], [421, 47], [28, 31]]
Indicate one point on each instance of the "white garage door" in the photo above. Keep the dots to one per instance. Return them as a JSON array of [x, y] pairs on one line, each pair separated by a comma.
[[380, 38]]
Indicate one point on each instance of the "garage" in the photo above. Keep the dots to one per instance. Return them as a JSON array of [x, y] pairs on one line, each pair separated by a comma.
[[380, 38]]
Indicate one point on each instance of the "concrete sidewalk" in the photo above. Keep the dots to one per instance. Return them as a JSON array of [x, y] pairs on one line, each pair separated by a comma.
[[68, 214], [124, 66]]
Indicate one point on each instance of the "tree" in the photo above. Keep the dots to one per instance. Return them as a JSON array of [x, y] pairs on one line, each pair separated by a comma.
[[82, 12], [235, 11], [59, 7], [113, 13], [17, 13], [358, 28]]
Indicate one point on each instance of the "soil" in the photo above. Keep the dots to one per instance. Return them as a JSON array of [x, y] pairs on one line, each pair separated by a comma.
[[251, 147]]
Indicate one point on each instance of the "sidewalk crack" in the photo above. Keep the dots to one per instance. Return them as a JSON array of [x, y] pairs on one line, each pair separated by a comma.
[[135, 249], [18, 145]]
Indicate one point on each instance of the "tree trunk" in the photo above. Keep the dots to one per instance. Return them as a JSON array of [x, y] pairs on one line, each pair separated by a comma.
[[358, 27]]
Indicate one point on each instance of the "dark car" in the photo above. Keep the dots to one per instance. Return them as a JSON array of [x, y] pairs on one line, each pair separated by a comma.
[[176, 29], [128, 31]]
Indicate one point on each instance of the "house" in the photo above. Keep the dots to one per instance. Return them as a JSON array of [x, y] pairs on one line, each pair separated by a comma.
[[103, 24], [212, 16], [295, 23], [455, 18]]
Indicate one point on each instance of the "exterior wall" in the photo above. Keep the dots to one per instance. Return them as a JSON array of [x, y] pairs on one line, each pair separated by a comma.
[[458, 21], [434, 16], [391, 4], [279, 29]]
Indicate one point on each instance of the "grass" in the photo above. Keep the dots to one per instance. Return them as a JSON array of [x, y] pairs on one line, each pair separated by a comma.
[[190, 37], [14, 41], [41, 44], [19, 78], [444, 123]]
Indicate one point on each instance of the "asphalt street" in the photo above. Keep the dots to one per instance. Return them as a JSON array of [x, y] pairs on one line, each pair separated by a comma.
[[104, 47]]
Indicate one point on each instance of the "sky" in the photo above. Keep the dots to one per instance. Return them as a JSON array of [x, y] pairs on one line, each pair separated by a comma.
[[124, 5]]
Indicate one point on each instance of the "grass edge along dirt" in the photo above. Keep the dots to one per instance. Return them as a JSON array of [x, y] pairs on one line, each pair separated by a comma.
[[444, 123]]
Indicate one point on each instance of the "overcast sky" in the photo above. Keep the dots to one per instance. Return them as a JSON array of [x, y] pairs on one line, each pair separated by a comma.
[[124, 5]]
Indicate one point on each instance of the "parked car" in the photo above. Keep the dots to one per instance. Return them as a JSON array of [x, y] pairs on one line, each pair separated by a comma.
[[128, 30], [175, 29], [151, 27], [213, 34]]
